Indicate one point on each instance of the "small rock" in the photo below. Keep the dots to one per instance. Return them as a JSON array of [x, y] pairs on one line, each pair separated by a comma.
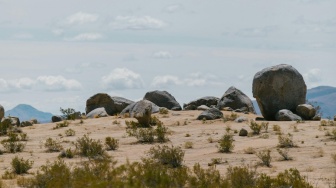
[[203, 107], [306, 111], [243, 132], [98, 112], [317, 117], [26, 124], [260, 119], [287, 115], [210, 114], [55, 119], [241, 119]]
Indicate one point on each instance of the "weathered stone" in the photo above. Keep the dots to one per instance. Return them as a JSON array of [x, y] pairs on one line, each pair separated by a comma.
[[163, 99], [203, 107], [34, 121], [306, 111], [129, 108], [112, 105], [235, 99], [2, 112], [278, 87], [26, 124], [142, 111], [96, 113], [260, 119], [243, 132], [287, 115], [15, 121], [210, 114], [55, 119], [207, 101], [317, 117], [241, 119]]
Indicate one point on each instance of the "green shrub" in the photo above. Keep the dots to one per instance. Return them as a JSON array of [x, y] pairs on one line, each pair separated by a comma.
[[165, 155], [290, 178], [163, 111], [231, 117], [206, 178], [160, 133], [284, 154], [23, 137], [147, 135], [188, 145], [215, 161], [226, 143], [276, 128], [111, 143], [90, 148], [53, 145], [243, 176], [65, 123], [8, 175], [68, 153], [70, 132], [255, 127], [21, 166], [69, 113], [13, 143], [5, 126], [265, 157], [327, 123], [286, 141]]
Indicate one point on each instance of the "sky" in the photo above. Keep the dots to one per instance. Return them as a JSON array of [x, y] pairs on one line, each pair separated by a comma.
[[60, 53]]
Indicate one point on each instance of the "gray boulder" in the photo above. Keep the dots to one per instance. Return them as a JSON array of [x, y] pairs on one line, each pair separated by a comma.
[[55, 119], [235, 99], [207, 101], [203, 107], [286, 115], [2, 112], [26, 124], [306, 111], [241, 119], [210, 114], [278, 87], [243, 132], [163, 99], [142, 111], [112, 105], [15, 121], [130, 108], [98, 112]]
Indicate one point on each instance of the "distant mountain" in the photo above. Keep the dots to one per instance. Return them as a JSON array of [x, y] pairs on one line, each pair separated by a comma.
[[26, 112], [324, 96]]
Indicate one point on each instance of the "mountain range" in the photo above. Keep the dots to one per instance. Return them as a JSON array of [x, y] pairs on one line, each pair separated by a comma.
[[26, 112], [323, 96]]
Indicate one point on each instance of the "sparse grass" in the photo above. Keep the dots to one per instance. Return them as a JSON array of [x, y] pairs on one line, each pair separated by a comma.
[[13, 143], [249, 150], [226, 143], [265, 157], [88, 147], [163, 111], [70, 132], [21, 166], [68, 153], [8, 175], [264, 136], [319, 153], [284, 154], [116, 122], [231, 117], [165, 155], [53, 145], [216, 161], [65, 123], [111, 143], [276, 128], [188, 145], [187, 135], [23, 136], [327, 123], [210, 140], [147, 135], [286, 141]]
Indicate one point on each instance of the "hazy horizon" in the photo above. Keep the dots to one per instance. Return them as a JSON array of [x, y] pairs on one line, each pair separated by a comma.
[[58, 53]]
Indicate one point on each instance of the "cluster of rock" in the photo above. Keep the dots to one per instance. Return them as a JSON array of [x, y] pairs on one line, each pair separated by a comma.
[[281, 94], [15, 121]]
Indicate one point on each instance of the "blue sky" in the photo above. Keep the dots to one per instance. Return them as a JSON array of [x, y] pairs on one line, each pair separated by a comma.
[[59, 53]]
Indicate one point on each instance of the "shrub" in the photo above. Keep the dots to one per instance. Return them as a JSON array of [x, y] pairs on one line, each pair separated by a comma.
[[23, 137], [70, 132], [111, 143], [242, 176], [155, 121], [215, 161], [231, 117], [284, 154], [255, 127], [21, 166], [188, 145], [147, 135], [53, 145], [249, 150], [333, 134], [226, 143], [165, 155], [327, 123], [8, 175], [265, 157], [90, 148], [13, 143], [286, 141], [5, 126], [65, 123], [290, 178], [163, 111], [161, 132], [206, 178], [276, 128], [69, 113], [68, 153]]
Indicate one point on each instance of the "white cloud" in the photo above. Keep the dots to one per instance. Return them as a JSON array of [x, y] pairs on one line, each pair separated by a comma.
[[80, 18], [137, 23], [162, 55], [23, 83], [312, 76], [58, 83], [122, 78], [85, 37], [166, 81]]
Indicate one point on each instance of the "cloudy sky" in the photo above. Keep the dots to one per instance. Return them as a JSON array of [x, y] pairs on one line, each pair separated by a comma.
[[59, 53]]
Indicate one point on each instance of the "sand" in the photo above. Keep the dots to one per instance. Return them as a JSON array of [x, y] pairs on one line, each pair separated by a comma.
[[312, 156]]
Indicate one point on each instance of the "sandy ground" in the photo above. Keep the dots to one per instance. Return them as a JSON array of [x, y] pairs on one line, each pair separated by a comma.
[[312, 156]]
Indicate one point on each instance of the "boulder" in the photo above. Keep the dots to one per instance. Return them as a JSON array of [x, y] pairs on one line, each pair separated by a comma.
[[306, 111], [98, 112], [278, 87], [207, 101], [203, 107], [34, 121], [163, 99], [235, 99], [15, 121], [286, 115], [2, 112], [26, 124], [142, 111], [241, 119], [335, 118], [130, 108], [243, 132], [112, 105], [55, 119], [317, 117], [210, 114]]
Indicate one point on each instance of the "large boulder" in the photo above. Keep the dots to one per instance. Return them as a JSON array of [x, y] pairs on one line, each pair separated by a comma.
[[278, 87], [98, 112], [210, 114], [112, 105], [306, 111], [163, 99], [286, 115], [142, 111], [130, 108], [235, 99], [208, 101], [2, 112]]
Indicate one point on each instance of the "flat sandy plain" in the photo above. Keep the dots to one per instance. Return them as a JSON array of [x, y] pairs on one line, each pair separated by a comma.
[[312, 156]]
